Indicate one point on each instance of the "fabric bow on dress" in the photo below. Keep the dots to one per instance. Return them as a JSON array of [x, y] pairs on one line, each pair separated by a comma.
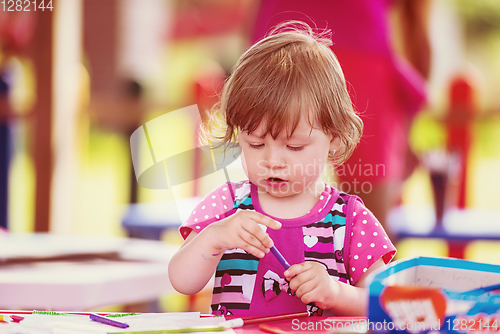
[[272, 285]]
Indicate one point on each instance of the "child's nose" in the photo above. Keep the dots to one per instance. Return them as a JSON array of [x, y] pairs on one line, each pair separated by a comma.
[[274, 158]]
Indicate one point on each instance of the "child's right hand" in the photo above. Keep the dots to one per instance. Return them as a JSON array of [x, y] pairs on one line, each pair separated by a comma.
[[242, 230]]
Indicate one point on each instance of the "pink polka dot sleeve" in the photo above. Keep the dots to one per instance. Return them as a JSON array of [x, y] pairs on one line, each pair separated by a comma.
[[216, 205], [369, 242]]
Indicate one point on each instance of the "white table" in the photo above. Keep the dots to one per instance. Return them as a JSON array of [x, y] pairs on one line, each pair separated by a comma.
[[130, 271]]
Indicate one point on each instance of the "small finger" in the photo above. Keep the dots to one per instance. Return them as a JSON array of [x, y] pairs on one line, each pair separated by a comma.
[[304, 288], [271, 223], [267, 221], [259, 234], [295, 270], [253, 245], [253, 250], [256, 252]]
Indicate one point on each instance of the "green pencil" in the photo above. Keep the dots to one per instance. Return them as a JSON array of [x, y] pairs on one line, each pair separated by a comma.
[[84, 314], [217, 328]]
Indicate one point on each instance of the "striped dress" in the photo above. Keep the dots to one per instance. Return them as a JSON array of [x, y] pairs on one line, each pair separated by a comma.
[[245, 285]]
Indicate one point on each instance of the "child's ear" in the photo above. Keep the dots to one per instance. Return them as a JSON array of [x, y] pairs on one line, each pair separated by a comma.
[[335, 143]]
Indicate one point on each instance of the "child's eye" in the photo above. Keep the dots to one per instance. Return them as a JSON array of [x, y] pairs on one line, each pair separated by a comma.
[[256, 145], [295, 148]]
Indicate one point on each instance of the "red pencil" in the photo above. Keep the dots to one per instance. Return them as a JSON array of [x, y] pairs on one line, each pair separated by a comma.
[[272, 329], [277, 317]]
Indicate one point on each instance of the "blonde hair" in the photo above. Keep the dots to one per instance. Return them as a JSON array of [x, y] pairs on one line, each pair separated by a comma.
[[289, 73]]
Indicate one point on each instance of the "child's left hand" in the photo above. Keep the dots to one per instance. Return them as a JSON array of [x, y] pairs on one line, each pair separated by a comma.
[[311, 283]]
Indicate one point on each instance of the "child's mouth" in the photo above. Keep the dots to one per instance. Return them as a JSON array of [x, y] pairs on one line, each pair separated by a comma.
[[276, 182]]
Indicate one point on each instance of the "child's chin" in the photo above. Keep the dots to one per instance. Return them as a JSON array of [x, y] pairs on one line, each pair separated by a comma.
[[280, 192]]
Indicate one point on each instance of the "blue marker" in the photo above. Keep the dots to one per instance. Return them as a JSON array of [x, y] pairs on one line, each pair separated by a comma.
[[280, 258]]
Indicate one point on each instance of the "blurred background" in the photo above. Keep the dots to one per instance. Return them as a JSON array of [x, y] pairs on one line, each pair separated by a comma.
[[78, 79]]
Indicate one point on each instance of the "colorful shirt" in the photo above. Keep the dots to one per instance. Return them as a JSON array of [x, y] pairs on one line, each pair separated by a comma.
[[245, 285]]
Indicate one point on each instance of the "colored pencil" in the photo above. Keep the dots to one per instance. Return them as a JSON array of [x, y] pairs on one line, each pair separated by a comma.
[[277, 317], [109, 315], [272, 329], [107, 321], [280, 258]]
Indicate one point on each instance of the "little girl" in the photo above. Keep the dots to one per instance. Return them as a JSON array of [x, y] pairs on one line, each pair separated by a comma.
[[287, 106]]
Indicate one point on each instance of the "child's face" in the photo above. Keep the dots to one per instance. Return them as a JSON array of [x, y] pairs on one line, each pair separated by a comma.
[[287, 166]]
